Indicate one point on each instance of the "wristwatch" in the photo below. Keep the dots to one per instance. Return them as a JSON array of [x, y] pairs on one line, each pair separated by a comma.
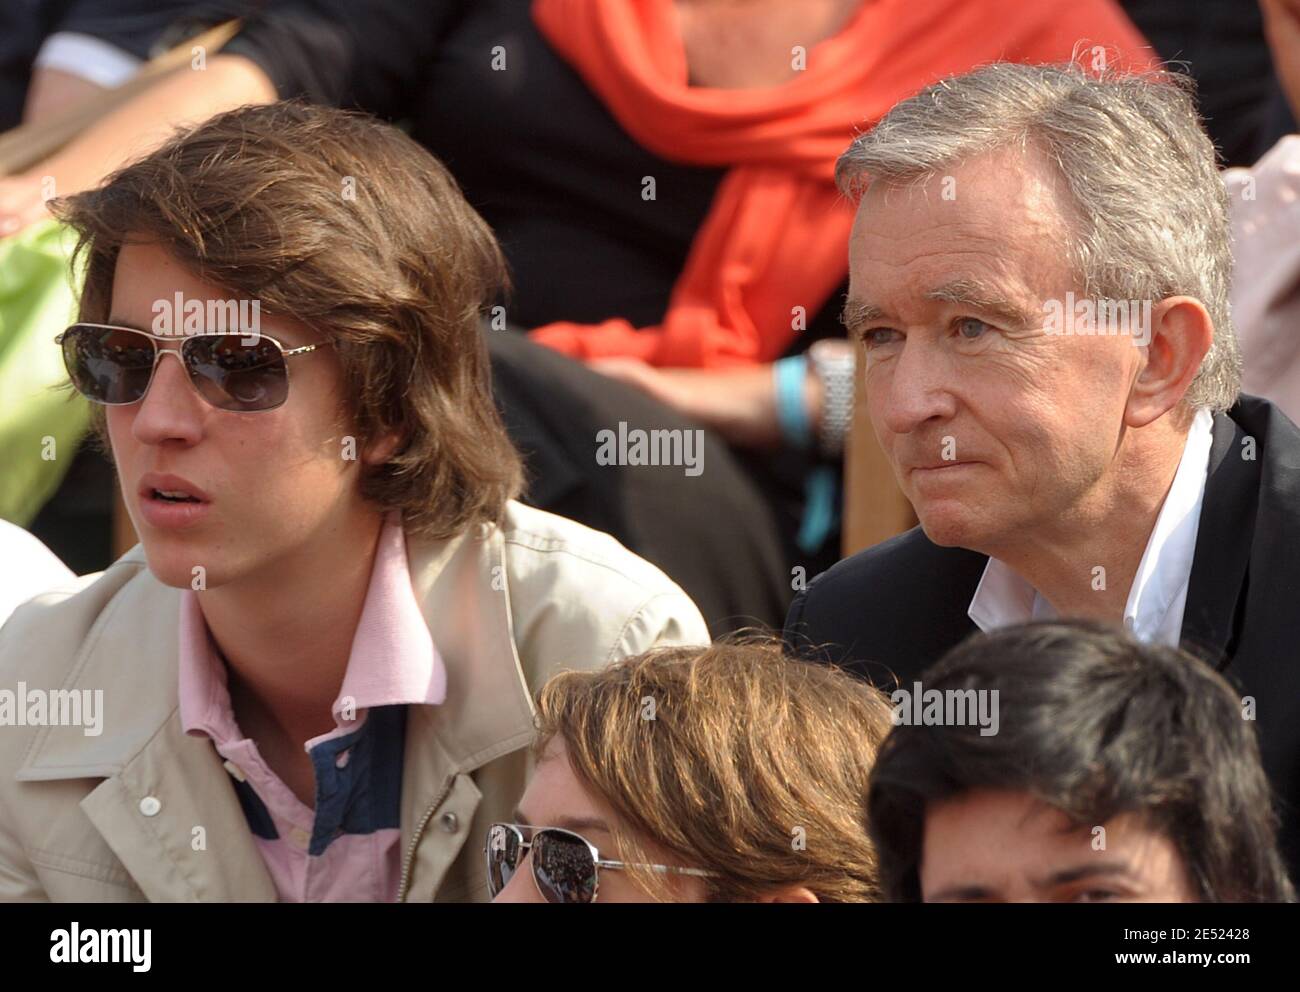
[[834, 363]]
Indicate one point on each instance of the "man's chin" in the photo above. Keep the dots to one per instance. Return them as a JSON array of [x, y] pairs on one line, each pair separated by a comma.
[[949, 526], [179, 569]]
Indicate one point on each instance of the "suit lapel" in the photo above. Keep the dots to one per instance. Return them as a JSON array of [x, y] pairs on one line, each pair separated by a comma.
[[1223, 545]]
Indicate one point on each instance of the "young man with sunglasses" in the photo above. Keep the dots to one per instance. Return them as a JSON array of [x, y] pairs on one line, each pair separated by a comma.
[[317, 666]]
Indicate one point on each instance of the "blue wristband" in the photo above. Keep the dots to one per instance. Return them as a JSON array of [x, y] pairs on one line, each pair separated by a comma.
[[819, 516], [788, 375]]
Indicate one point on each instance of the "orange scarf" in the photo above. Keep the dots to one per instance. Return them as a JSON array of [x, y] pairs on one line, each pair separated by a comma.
[[776, 236]]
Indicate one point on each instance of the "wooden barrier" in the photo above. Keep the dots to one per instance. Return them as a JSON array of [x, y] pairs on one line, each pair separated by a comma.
[[874, 507]]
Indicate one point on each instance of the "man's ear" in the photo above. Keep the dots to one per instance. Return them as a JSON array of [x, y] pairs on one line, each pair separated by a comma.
[[1178, 337], [381, 447], [789, 893]]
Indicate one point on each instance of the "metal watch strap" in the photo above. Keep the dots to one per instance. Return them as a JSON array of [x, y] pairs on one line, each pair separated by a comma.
[[836, 371]]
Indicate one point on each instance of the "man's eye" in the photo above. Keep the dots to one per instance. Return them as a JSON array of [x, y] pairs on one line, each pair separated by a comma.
[[1096, 895], [877, 336], [971, 328]]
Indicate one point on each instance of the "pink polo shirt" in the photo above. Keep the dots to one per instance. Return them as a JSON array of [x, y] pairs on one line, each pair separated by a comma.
[[347, 847]]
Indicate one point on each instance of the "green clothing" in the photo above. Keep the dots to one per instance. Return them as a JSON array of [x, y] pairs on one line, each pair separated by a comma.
[[40, 423]]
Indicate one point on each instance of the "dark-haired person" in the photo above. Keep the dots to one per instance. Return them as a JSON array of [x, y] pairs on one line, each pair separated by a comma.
[[719, 774], [316, 670], [1051, 370], [1119, 772]]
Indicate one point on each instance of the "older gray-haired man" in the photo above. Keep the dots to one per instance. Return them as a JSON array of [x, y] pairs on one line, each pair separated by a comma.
[[1039, 277]]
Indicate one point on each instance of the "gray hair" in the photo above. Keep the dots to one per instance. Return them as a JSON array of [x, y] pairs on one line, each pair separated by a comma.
[[1152, 210]]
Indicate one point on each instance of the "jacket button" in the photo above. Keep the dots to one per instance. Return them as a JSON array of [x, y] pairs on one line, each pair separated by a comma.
[[150, 805], [450, 822]]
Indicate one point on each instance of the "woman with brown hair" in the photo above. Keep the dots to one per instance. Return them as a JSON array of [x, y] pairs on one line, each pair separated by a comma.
[[722, 774]]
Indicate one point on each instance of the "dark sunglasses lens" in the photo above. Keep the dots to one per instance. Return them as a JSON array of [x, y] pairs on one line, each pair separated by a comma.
[[108, 364], [563, 867], [503, 857], [237, 373]]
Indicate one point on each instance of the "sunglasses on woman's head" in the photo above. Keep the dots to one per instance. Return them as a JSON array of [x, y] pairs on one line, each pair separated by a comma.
[[566, 866], [242, 372]]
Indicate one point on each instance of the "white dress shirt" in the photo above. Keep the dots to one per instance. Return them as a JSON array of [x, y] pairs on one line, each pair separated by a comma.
[[1158, 596], [89, 57]]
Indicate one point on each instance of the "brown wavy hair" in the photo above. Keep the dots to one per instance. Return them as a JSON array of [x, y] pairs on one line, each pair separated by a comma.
[[343, 223], [748, 753]]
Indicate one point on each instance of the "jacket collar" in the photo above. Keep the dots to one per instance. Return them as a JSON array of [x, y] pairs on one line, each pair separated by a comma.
[[1223, 543], [462, 587]]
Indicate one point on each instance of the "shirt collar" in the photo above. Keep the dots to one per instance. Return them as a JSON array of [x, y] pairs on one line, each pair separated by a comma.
[[1166, 564], [393, 660], [1003, 598]]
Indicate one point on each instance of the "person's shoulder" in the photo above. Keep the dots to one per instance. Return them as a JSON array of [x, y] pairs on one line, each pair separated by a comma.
[[899, 563], [1264, 420], [897, 603], [28, 567], [572, 553], [44, 634], [561, 570], [1256, 432]]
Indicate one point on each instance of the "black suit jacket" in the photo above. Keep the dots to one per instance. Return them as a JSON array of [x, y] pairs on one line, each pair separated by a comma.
[[890, 611]]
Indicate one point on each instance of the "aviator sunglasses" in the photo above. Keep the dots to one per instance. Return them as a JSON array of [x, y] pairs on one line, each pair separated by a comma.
[[236, 371], [566, 866]]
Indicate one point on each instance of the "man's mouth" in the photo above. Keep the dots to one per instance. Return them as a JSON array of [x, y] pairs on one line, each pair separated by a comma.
[[171, 502], [165, 488], [174, 496]]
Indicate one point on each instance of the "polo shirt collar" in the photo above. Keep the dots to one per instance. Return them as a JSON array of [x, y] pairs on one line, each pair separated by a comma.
[[393, 660]]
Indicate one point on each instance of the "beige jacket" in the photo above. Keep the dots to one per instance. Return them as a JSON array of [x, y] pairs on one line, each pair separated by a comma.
[[116, 817]]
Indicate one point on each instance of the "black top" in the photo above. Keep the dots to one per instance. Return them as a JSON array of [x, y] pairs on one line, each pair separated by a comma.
[[137, 27], [533, 148], [892, 610], [1221, 44]]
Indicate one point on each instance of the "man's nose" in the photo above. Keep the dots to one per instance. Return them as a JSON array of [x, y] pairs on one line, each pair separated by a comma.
[[520, 888], [916, 387], [171, 409]]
